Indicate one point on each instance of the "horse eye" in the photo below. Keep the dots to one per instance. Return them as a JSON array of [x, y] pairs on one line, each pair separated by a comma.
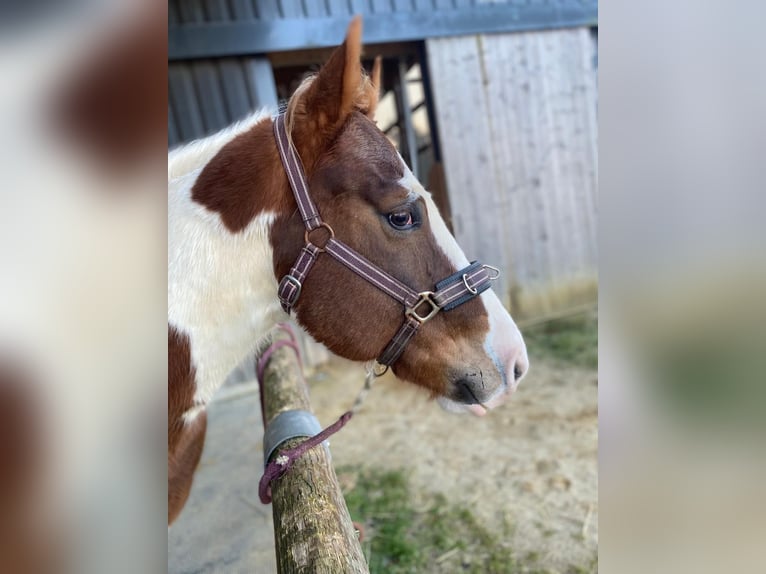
[[401, 219]]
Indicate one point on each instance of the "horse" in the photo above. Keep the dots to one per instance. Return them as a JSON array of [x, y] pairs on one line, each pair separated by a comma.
[[237, 230]]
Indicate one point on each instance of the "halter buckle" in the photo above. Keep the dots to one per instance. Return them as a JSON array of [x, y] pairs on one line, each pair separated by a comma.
[[308, 232], [375, 369], [297, 293], [423, 297]]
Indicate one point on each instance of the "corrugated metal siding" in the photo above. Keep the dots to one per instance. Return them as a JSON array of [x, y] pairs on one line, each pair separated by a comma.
[[206, 95], [264, 36], [517, 121], [188, 11]]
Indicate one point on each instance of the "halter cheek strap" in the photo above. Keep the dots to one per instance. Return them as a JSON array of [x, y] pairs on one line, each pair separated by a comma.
[[419, 307]]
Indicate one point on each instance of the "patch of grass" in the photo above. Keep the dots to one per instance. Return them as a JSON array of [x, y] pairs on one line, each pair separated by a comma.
[[438, 538], [380, 502], [591, 568], [572, 340]]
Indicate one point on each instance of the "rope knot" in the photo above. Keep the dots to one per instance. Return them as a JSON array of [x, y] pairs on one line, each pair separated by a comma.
[[285, 459]]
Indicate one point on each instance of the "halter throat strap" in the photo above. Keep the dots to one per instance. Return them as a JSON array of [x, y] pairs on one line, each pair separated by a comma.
[[419, 307]]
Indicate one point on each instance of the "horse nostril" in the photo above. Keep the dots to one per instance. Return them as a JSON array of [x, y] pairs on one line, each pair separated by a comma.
[[465, 393], [520, 368]]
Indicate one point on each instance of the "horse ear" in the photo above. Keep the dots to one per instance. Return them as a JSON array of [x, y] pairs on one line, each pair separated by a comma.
[[341, 85], [375, 78]]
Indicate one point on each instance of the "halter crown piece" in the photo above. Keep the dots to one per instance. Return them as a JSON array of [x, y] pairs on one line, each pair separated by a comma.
[[419, 307]]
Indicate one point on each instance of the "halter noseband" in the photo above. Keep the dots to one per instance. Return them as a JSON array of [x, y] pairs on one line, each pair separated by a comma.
[[418, 307]]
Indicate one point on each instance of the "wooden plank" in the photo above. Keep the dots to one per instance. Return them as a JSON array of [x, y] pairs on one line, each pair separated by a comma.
[[313, 531], [464, 129], [533, 166], [407, 143], [552, 149]]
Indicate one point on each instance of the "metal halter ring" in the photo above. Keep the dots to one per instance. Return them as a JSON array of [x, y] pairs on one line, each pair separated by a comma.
[[423, 297], [375, 368], [467, 286], [308, 232], [492, 276]]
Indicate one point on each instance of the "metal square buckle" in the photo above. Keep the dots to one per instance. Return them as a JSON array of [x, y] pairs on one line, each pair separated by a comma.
[[424, 297], [296, 283]]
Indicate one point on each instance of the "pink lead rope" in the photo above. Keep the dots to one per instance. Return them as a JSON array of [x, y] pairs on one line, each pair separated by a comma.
[[286, 458]]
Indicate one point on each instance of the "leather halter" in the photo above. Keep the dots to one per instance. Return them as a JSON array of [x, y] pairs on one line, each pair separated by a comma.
[[419, 307]]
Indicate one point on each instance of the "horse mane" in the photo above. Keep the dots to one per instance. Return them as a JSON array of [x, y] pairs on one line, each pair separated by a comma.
[[194, 155]]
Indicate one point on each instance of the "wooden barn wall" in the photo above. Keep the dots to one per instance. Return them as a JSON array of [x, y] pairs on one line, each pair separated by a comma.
[[518, 132]]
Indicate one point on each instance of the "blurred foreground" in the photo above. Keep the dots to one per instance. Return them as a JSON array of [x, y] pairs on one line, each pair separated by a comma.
[[82, 287], [82, 291], [682, 399]]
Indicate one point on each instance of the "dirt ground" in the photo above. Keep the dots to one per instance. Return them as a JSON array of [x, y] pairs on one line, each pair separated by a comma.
[[531, 464]]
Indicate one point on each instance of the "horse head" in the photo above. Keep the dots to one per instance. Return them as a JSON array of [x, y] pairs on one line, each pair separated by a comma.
[[470, 357]]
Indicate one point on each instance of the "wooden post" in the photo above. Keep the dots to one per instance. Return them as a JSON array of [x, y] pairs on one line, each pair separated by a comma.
[[312, 527]]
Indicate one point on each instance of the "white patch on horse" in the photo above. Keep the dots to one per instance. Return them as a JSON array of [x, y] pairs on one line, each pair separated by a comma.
[[222, 293], [503, 337], [194, 155], [190, 415], [444, 238]]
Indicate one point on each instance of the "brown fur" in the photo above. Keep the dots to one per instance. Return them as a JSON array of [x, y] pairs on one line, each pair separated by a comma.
[[182, 463], [355, 201], [244, 179], [185, 442], [181, 385], [353, 171], [25, 543]]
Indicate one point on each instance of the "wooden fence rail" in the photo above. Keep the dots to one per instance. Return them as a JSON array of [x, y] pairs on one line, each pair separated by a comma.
[[312, 527]]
